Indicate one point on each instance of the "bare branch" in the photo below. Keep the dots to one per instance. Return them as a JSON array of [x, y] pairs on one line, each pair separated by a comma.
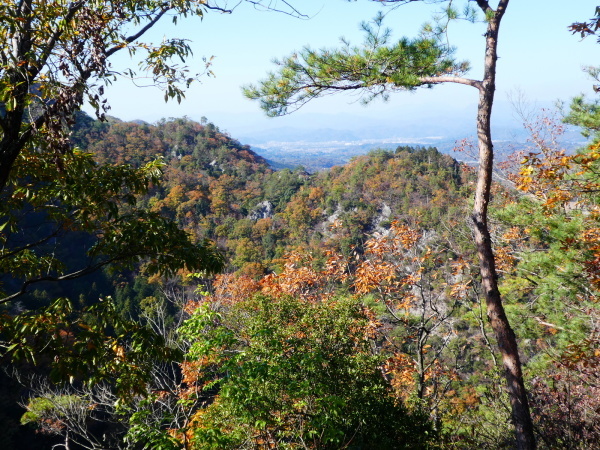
[[133, 37], [14, 251], [451, 79], [484, 5], [294, 12]]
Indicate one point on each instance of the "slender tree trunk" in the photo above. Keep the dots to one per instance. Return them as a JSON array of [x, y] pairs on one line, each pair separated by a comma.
[[9, 150], [11, 143], [505, 336]]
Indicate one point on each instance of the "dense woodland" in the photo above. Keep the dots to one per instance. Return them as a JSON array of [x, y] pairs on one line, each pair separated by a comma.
[[163, 287], [330, 279]]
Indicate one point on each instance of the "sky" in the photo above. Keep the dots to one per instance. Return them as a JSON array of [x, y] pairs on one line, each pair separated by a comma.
[[540, 61]]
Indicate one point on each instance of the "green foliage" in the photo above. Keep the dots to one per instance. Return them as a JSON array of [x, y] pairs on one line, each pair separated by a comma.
[[585, 115], [143, 431], [93, 346], [549, 278], [211, 185], [549, 247], [41, 409], [376, 68], [551, 261], [56, 56], [296, 375], [97, 205], [479, 415]]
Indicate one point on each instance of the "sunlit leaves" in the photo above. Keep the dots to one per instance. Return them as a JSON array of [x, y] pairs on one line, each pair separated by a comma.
[[56, 56], [295, 374]]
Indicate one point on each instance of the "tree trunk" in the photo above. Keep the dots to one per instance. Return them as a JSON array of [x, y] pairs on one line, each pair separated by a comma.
[[505, 336], [9, 150], [11, 143]]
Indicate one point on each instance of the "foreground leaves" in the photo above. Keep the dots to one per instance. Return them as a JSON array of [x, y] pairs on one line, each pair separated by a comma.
[[93, 346], [89, 212], [294, 374]]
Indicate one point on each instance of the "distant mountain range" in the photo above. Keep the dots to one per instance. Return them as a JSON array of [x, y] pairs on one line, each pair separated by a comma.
[[325, 148], [318, 141]]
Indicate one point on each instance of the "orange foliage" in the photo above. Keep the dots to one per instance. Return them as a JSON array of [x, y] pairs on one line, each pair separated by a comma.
[[560, 180], [564, 183], [300, 279], [402, 370], [591, 237], [228, 289], [393, 265]]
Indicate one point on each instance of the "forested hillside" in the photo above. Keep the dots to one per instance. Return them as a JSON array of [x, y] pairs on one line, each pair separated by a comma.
[[163, 287], [383, 242], [216, 188]]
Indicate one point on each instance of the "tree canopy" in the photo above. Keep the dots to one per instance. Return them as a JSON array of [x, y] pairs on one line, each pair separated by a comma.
[[56, 55]]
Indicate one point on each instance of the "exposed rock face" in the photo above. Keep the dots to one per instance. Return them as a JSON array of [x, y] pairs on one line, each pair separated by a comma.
[[336, 215], [263, 210], [384, 215]]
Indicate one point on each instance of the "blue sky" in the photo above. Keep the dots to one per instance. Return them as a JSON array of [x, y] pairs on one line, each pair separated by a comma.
[[538, 57]]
